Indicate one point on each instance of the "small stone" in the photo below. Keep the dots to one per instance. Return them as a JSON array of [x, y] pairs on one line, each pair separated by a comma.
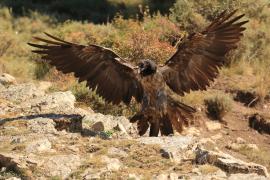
[[161, 177], [17, 140], [41, 125], [61, 165], [173, 148], [113, 164], [98, 126], [212, 126], [240, 140], [99, 122], [133, 177], [41, 145], [117, 152], [173, 176], [6, 79]]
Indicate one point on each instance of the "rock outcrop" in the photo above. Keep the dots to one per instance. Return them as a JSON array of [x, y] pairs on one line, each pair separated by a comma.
[[44, 135]]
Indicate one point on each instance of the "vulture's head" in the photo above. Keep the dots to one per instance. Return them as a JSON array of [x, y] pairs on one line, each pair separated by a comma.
[[147, 67]]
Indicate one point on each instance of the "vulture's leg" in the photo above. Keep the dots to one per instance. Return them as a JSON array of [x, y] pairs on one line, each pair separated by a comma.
[[166, 126], [154, 128]]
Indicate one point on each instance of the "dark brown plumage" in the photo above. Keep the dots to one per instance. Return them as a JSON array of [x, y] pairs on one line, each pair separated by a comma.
[[194, 65]]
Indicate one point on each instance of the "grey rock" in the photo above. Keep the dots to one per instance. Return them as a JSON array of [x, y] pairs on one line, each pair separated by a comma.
[[41, 125], [17, 139], [171, 147], [15, 162], [61, 165], [228, 163], [112, 164], [21, 92], [58, 102], [240, 140], [161, 177], [100, 122], [6, 79], [41, 145]]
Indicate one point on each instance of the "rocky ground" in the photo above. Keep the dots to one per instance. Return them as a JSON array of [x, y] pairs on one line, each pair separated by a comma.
[[45, 136]]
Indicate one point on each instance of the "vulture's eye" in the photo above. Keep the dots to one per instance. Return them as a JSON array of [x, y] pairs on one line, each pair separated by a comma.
[[141, 65]]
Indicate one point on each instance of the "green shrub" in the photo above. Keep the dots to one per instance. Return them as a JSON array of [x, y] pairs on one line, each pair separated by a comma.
[[97, 103], [218, 105], [41, 70]]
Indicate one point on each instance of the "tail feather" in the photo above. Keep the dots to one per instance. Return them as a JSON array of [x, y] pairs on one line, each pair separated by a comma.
[[178, 116]]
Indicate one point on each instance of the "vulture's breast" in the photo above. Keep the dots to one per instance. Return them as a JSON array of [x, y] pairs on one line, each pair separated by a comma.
[[155, 96]]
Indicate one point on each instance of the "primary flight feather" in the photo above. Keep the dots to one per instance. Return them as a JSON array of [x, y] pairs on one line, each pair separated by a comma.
[[194, 65]]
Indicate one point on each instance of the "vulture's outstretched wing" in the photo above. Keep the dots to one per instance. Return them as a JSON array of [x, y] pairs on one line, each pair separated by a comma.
[[114, 79], [199, 57]]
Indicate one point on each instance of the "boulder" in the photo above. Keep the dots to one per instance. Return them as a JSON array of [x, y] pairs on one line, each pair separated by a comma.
[[38, 146], [228, 163], [41, 125], [98, 122], [112, 164], [6, 79], [21, 92], [58, 102], [61, 165]]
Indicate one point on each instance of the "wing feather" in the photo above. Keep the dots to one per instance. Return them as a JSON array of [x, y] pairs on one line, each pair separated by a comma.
[[197, 60], [103, 70]]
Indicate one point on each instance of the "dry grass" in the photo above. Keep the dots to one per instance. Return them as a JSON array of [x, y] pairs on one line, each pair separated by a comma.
[[217, 105], [261, 157], [208, 169], [140, 160]]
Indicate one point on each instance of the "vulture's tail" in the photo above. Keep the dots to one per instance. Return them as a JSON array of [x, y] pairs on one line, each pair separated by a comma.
[[180, 115], [177, 116]]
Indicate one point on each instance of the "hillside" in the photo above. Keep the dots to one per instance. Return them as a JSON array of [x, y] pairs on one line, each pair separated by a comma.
[[44, 135]]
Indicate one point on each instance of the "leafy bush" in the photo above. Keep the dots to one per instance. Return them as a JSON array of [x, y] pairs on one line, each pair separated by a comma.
[[218, 105], [89, 97]]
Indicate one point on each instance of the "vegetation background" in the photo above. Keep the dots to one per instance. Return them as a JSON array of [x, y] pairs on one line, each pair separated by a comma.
[[135, 29]]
